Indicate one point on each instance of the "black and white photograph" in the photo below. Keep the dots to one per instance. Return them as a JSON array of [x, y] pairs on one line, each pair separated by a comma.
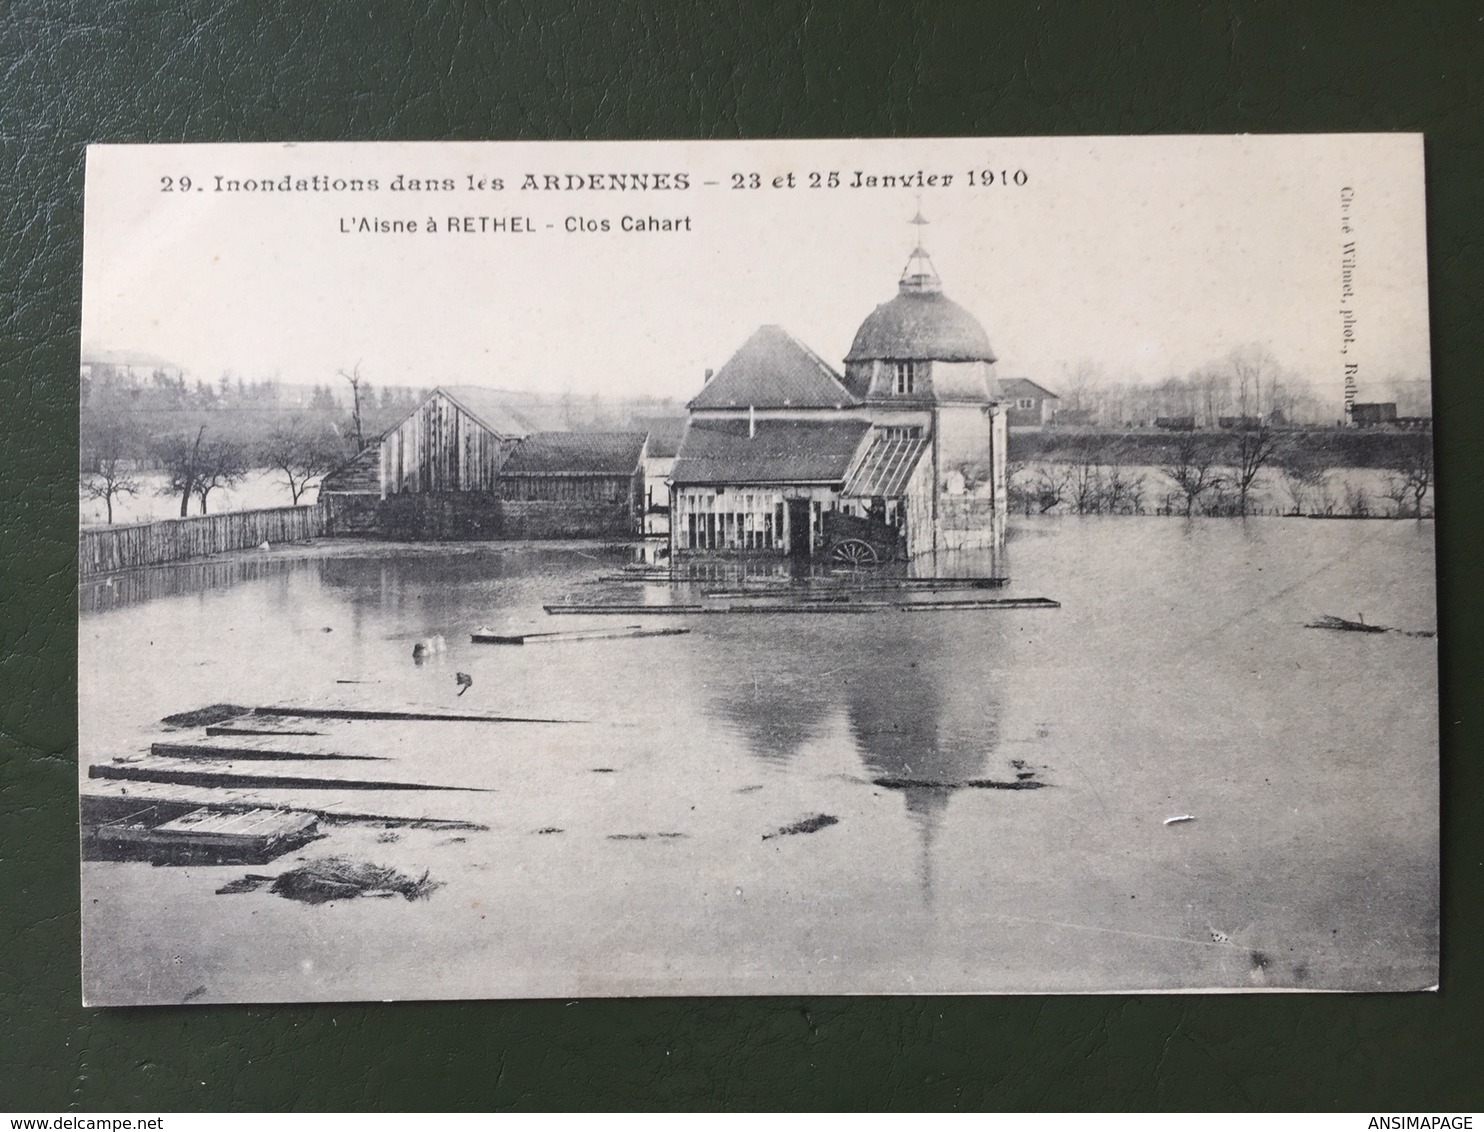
[[875, 566]]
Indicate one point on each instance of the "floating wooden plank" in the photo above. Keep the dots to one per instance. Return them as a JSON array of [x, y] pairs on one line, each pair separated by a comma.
[[807, 607], [629, 609], [814, 606], [250, 748], [185, 773], [226, 729], [219, 836], [487, 637], [983, 604], [103, 800], [420, 715]]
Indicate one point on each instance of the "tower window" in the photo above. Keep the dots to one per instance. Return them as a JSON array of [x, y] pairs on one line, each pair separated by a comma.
[[906, 373]]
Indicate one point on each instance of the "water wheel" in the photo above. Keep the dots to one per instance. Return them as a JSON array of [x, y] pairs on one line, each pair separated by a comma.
[[854, 553]]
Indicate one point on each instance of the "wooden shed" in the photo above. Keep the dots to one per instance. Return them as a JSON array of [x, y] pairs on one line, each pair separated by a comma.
[[577, 467], [456, 440]]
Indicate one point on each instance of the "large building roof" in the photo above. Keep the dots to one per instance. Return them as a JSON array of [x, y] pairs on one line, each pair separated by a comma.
[[774, 370], [920, 323], [576, 454], [1025, 387], [778, 451]]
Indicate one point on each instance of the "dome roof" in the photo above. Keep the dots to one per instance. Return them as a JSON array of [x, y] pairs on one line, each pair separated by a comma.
[[921, 323]]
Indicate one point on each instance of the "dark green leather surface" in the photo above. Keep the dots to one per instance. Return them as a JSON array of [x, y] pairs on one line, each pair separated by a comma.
[[74, 73]]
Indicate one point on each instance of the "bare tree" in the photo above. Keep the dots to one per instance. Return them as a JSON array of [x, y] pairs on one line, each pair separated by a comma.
[[354, 377], [1078, 382], [1192, 465], [109, 446], [180, 457], [1051, 486], [1396, 488], [302, 453], [1123, 493], [1416, 470], [1302, 473], [1086, 475], [223, 463], [1255, 450]]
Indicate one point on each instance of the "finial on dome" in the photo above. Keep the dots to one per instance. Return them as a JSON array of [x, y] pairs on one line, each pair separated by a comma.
[[919, 277]]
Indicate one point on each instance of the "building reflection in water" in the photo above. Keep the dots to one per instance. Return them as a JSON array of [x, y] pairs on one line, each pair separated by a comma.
[[914, 691], [926, 728]]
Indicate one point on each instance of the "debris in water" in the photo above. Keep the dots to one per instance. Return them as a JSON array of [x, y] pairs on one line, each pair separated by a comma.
[[250, 883], [464, 681], [1344, 625], [1179, 819], [197, 993], [641, 836], [1020, 782], [335, 878], [388, 837], [551, 829], [427, 647], [809, 825]]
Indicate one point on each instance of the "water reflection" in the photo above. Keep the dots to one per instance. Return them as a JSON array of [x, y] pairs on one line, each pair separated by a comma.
[[921, 715], [922, 732], [131, 587]]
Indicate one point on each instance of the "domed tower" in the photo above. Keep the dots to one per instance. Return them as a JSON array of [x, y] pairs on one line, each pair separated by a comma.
[[921, 348], [922, 364]]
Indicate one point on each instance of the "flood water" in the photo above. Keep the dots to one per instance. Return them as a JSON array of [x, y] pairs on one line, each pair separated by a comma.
[[1177, 678]]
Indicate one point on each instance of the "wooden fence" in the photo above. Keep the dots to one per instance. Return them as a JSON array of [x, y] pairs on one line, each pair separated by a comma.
[[175, 540]]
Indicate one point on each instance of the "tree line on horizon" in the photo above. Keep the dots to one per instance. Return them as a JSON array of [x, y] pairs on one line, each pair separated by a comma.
[[1248, 382], [201, 436]]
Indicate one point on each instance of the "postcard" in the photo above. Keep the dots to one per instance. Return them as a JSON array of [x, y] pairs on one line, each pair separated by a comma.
[[980, 565]]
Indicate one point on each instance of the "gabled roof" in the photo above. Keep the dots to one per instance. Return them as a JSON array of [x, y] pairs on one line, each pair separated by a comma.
[[491, 408], [774, 370], [1025, 387], [886, 466], [664, 434], [722, 452], [576, 454]]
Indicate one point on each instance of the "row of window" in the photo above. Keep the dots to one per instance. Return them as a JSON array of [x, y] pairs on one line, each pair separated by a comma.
[[733, 530]]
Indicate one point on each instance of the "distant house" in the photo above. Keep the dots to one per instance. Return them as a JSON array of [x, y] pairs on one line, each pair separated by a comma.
[[1367, 414], [1240, 424], [1028, 405], [659, 461]]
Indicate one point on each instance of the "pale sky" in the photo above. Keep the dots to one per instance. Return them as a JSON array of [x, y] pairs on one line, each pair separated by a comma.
[[1146, 256]]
